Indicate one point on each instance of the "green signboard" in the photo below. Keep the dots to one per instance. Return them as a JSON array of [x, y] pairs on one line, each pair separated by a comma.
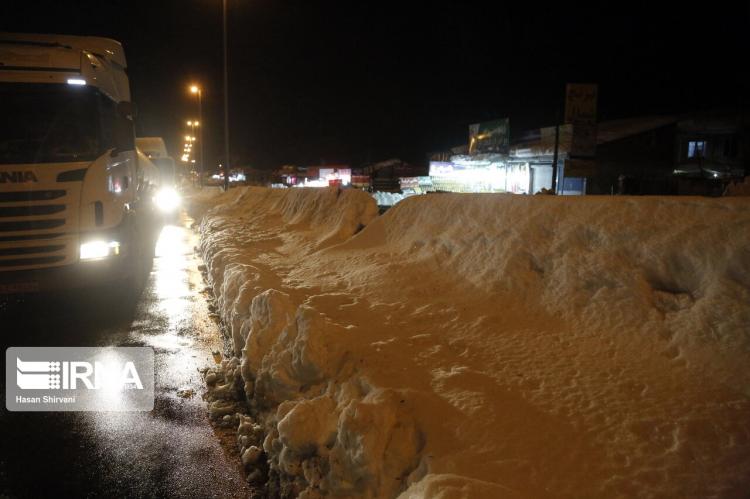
[[490, 136]]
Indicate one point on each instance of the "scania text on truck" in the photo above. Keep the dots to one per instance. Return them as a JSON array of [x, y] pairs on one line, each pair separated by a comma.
[[76, 197]]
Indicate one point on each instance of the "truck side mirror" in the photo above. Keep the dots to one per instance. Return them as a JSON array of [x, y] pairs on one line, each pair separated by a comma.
[[124, 136]]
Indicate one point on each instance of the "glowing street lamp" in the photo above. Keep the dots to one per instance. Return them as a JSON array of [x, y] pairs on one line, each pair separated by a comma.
[[192, 124]]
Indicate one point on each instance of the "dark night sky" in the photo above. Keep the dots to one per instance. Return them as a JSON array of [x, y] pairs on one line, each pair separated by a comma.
[[356, 81]]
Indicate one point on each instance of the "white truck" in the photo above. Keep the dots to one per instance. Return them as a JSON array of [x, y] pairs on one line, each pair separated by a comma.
[[168, 199], [76, 197]]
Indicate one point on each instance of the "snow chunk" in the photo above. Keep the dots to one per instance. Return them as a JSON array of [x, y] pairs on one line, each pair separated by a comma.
[[309, 426], [376, 447]]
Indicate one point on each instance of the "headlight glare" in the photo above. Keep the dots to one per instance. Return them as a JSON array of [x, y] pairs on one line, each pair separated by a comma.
[[167, 199], [96, 250]]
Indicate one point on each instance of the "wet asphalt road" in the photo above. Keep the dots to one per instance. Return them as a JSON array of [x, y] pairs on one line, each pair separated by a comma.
[[171, 451]]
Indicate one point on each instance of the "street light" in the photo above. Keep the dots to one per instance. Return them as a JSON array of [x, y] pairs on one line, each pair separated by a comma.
[[192, 124], [195, 89], [226, 101]]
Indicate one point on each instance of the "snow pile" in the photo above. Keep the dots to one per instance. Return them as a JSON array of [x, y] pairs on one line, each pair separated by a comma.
[[225, 388], [198, 201], [490, 345]]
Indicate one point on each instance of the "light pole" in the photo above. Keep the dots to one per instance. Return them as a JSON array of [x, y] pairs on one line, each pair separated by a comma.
[[195, 89], [192, 125], [226, 103]]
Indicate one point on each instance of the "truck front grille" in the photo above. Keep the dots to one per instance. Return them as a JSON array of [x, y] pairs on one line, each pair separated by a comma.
[[32, 237], [33, 228], [31, 250], [31, 225], [31, 211], [29, 262], [25, 196]]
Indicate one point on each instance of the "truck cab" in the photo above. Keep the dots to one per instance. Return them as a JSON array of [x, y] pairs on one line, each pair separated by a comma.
[[156, 150], [76, 196], [168, 198]]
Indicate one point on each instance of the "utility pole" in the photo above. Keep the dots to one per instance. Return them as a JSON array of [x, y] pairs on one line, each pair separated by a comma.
[[226, 104], [200, 131], [198, 91], [554, 158]]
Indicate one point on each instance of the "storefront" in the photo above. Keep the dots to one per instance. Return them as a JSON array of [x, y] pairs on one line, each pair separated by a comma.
[[481, 173]]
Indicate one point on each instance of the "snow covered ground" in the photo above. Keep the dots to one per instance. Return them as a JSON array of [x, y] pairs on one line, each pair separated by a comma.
[[490, 345]]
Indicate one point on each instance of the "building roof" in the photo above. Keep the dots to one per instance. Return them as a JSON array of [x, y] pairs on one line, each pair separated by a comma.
[[609, 131], [543, 143]]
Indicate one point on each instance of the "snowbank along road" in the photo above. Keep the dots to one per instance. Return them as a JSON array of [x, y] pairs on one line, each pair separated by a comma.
[[489, 345]]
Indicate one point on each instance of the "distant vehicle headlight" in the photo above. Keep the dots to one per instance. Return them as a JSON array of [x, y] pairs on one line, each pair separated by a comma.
[[167, 199], [96, 250]]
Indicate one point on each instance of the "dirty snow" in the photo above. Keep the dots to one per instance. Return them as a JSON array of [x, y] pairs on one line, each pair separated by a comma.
[[488, 345]]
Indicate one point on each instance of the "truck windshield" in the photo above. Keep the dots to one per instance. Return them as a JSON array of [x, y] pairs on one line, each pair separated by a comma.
[[166, 169], [44, 123]]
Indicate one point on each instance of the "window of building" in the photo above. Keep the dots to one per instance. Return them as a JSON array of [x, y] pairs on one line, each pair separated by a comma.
[[696, 148]]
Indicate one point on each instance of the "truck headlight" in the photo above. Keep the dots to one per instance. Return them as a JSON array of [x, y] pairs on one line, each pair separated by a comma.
[[96, 250], [167, 199]]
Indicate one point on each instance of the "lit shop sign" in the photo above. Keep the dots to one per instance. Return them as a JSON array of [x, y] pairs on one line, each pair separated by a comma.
[[330, 176], [342, 174], [467, 175]]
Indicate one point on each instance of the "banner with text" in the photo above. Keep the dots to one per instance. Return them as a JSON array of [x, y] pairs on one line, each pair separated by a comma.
[[580, 111]]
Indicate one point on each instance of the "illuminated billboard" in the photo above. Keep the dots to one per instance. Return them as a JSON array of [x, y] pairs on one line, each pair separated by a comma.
[[466, 174]]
